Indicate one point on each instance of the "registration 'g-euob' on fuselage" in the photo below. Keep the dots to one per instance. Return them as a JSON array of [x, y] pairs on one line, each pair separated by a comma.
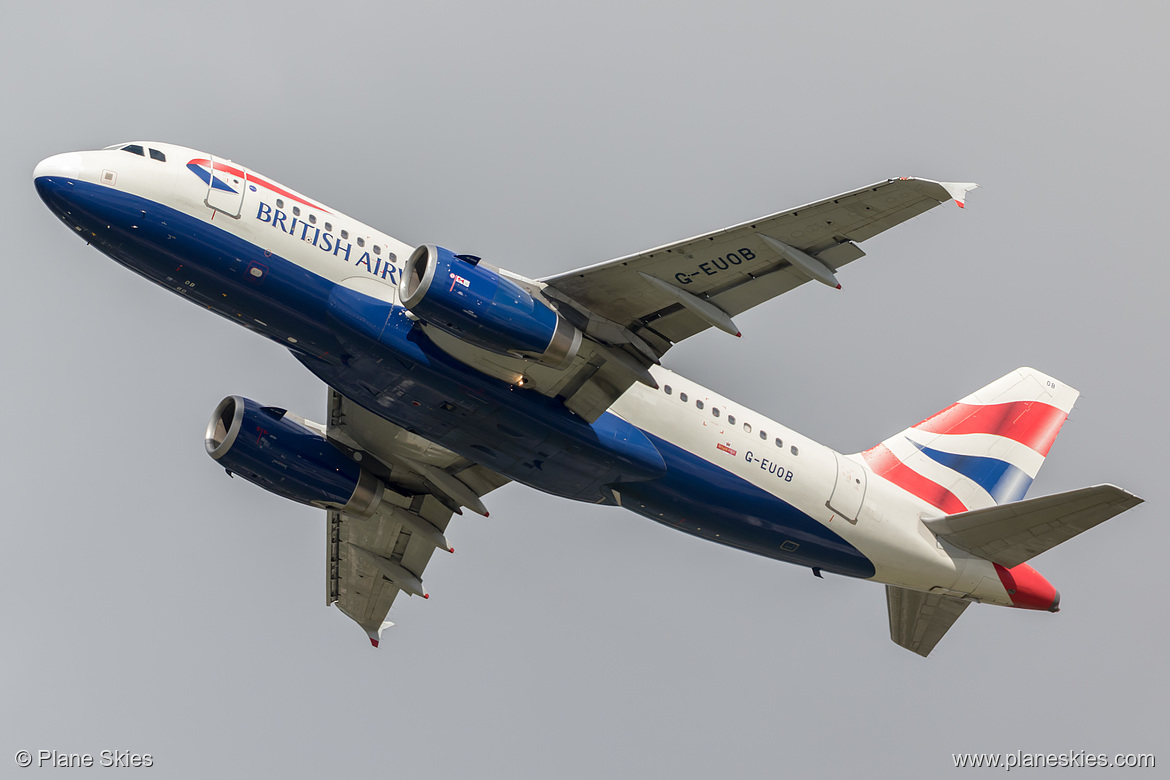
[[449, 377]]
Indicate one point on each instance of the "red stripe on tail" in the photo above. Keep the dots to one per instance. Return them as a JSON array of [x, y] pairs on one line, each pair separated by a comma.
[[1031, 423], [885, 464]]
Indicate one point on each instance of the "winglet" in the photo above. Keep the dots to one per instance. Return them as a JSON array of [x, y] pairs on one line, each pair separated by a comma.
[[376, 636], [959, 190]]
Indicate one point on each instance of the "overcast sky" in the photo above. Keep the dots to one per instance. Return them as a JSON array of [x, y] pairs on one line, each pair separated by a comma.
[[155, 605]]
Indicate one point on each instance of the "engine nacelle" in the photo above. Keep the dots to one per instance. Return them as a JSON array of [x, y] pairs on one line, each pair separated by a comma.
[[471, 301], [278, 452]]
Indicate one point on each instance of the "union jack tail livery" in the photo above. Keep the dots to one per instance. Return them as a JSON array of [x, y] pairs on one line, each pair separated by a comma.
[[984, 450]]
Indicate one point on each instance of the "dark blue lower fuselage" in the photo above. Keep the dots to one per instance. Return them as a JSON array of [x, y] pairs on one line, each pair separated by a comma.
[[372, 353]]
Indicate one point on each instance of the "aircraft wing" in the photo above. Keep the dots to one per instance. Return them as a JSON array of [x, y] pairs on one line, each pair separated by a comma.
[[663, 295], [371, 560], [919, 620]]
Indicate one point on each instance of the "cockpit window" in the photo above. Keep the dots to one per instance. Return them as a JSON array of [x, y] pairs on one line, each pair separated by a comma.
[[155, 154], [134, 149]]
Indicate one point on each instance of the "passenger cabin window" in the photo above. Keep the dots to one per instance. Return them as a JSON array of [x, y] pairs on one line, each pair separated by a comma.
[[714, 411], [279, 203], [682, 397], [794, 450], [764, 435], [666, 389], [312, 219], [731, 419], [779, 443], [698, 404], [361, 242], [377, 249], [747, 427], [345, 234], [155, 154], [296, 211], [328, 228], [134, 149]]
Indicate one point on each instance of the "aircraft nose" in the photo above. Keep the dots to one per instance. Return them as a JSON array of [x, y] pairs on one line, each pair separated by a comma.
[[65, 166]]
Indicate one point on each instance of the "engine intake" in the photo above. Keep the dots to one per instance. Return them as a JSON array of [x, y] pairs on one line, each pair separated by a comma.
[[468, 299], [280, 453]]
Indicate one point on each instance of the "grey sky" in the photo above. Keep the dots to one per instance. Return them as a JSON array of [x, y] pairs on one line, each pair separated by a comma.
[[155, 605]]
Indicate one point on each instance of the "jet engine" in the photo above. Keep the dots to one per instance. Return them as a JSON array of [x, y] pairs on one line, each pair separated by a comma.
[[282, 454], [470, 300]]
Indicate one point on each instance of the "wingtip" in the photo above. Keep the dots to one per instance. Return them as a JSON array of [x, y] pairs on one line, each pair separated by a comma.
[[838, 285], [375, 636], [738, 334], [958, 190]]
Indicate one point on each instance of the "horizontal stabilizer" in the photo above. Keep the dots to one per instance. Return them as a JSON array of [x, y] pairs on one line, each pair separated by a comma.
[[1013, 533], [919, 620]]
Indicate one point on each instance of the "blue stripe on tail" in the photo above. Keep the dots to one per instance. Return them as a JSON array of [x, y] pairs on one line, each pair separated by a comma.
[[1005, 482]]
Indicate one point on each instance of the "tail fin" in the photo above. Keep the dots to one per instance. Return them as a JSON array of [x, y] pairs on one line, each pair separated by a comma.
[[982, 451]]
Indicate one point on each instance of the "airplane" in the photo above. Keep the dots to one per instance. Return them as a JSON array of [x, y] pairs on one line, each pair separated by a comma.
[[449, 377]]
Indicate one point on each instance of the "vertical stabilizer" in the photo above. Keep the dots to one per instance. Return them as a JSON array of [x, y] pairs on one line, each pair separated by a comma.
[[982, 451]]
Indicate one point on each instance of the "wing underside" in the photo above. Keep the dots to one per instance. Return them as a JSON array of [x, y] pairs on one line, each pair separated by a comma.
[[370, 560], [659, 295]]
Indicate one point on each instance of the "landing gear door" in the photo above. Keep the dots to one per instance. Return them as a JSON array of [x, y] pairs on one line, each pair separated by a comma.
[[225, 188], [849, 490]]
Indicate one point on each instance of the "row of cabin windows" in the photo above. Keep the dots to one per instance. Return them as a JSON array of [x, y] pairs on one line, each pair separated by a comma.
[[715, 412], [155, 154], [296, 210]]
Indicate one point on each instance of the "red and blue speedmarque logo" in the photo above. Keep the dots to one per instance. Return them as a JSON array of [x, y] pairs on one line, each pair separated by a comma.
[[212, 174]]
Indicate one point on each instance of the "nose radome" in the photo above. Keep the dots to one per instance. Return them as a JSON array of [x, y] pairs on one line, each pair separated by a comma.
[[65, 166]]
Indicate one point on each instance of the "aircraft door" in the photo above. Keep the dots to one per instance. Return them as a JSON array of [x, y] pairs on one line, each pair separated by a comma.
[[225, 189], [849, 490]]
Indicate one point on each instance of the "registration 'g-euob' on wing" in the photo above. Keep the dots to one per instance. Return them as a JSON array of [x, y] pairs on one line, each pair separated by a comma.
[[449, 377]]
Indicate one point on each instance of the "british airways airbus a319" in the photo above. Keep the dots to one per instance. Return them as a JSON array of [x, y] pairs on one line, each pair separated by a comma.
[[449, 377]]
